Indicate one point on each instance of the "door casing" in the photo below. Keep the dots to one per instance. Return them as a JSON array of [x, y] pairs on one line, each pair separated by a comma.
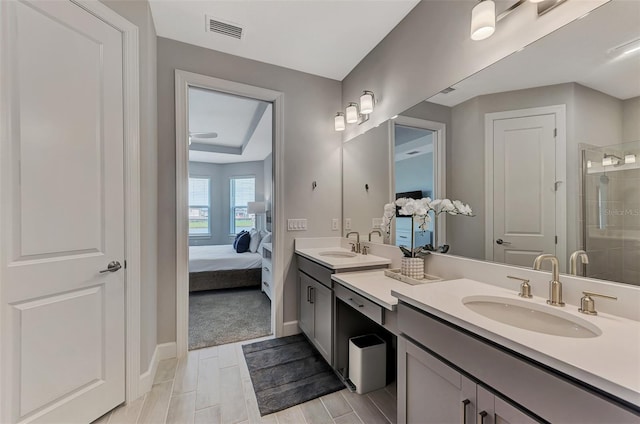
[[561, 174], [184, 80]]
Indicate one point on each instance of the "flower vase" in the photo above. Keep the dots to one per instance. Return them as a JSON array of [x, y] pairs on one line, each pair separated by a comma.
[[412, 267]]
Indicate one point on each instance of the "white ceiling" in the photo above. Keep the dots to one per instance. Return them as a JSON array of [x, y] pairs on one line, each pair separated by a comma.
[[322, 37], [579, 52], [243, 126]]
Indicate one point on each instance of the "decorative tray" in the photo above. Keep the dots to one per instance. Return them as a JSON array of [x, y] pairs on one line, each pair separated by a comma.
[[396, 275]]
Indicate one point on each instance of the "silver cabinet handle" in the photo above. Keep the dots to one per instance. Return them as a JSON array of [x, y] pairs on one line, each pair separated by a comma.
[[481, 416], [500, 241], [356, 303], [113, 266], [464, 410], [308, 293], [311, 294]]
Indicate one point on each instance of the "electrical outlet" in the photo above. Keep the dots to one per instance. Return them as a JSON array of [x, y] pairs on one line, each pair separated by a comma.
[[376, 223], [347, 223], [334, 224]]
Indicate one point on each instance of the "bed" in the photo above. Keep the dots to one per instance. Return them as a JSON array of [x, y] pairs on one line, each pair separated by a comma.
[[220, 267]]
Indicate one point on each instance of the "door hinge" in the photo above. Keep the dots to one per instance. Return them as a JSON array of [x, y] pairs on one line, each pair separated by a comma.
[[555, 132], [125, 264], [556, 239]]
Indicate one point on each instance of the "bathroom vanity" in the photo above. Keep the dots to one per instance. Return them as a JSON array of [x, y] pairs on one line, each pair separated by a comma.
[[468, 351], [477, 370], [317, 261]]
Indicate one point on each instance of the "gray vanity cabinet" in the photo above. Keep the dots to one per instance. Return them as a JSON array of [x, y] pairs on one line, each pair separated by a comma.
[[427, 385], [315, 315], [431, 392]]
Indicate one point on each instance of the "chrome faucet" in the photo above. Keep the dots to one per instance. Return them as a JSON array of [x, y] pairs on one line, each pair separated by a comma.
[[374, 231], [578, 254], [357, 245], [555, 286]]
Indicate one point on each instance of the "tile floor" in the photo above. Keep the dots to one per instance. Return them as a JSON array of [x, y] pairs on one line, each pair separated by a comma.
[[213, 386]]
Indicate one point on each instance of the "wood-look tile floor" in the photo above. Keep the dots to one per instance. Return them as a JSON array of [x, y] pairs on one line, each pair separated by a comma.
[[212, 385]]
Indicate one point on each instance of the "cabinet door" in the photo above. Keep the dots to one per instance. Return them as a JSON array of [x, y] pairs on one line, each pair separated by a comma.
[[305, 318], [430, 391], [493, 410], [322, 302]]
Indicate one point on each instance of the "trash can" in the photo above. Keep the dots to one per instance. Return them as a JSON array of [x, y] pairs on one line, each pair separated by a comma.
[[367, 363]]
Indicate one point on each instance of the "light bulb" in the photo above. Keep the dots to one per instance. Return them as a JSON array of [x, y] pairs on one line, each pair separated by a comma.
[[352, 113], [629, 158], [483, 20], [339, 121], [366, 102], [609, 161]]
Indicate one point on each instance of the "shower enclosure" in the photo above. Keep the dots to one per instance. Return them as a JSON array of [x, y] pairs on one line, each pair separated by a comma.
[[610, 212]]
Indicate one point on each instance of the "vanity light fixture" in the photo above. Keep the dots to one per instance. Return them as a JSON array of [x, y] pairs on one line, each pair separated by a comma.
[[352, 113], [589, 165], [339, 124], [629, 158], [483, 20], [483, 15], [355, 113], [610, 160], [367, 101]]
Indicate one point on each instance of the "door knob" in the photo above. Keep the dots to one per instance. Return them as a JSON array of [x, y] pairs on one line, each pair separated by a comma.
[[500, 241], [112, 267]]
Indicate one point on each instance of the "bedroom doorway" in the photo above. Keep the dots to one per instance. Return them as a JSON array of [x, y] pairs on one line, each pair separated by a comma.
[[227, 278]]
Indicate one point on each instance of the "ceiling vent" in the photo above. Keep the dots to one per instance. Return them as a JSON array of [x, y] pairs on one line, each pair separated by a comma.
[[448, 90], [221, 27]]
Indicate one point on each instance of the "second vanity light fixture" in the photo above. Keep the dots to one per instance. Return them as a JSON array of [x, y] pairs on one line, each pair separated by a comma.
[[483, 16], [356, 113]]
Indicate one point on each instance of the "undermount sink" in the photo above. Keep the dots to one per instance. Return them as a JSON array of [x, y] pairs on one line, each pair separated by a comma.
[[337, 254], [531, 316]]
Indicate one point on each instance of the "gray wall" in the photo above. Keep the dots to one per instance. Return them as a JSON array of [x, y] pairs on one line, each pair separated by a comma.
[[139, 13], [430, 49], [631, 120], [312, 151], [366, 161], [415, 173], [220, 196]]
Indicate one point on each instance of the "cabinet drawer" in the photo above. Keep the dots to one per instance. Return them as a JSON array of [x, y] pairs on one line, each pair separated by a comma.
[[312, 269], [360, 304]]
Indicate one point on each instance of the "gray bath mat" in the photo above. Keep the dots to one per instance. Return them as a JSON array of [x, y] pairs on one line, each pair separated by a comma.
[[288, 371]]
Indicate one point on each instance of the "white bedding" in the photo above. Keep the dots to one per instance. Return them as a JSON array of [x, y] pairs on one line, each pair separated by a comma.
[[221, 258]]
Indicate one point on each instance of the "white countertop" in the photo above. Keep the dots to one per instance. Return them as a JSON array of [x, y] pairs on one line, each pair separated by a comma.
[[373, 285], [359, 260], [610, 361]]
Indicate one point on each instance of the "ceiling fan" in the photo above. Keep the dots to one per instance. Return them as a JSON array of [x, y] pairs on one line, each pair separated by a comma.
[[202, 135]]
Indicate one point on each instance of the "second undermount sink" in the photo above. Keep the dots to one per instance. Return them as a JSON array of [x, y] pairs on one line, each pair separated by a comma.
[[337, 254], [531, 316]]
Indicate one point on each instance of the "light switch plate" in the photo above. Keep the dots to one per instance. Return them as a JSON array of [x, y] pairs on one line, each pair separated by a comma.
[[347, 223], [296, 224], [334, 224]]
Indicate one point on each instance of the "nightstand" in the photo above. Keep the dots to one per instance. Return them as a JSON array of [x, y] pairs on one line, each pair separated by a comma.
[[267, 280]]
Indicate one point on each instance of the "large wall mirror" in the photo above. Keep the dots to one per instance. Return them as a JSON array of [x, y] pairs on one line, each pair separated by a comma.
[[544, 145]]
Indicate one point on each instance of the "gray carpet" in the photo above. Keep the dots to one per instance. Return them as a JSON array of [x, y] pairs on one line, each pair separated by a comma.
[[288, 371], [219, 317]]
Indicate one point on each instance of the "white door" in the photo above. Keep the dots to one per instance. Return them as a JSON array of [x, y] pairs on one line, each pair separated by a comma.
[[62, 214], [524, 188]]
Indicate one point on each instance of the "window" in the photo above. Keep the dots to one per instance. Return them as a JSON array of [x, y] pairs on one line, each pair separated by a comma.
[[243, 191], [199, 204]]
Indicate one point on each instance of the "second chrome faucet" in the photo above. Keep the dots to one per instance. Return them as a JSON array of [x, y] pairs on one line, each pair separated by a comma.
[[555, 286]]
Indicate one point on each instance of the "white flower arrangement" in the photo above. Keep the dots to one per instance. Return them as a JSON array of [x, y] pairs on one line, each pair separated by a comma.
[[419, 210]]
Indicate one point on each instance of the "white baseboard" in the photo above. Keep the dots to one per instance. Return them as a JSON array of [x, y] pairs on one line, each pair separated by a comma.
[[290, 328], [162, 351]]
